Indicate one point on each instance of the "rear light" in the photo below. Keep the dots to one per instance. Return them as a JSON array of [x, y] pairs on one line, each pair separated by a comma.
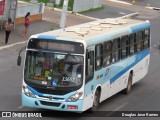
[[72, 107]]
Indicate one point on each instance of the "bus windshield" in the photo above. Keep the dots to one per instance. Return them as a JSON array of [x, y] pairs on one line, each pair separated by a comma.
[[53, 70]]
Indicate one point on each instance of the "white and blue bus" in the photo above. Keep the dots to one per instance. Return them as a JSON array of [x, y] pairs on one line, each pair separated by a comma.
[[76, 68]]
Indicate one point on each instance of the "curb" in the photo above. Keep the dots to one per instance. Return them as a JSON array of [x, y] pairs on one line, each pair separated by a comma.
[[122, 2], [12, 45], [153, 8], [86, 16], [70, 12], [130, 15]]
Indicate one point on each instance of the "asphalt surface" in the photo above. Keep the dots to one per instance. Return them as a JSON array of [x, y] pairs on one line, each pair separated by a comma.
[[144, 95], [151, 3], [109, 12]]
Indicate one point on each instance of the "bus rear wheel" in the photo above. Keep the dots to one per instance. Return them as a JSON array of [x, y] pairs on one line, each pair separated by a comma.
[[96, 101], [129, 85]]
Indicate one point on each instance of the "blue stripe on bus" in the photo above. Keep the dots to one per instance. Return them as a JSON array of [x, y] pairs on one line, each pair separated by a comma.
[[34, 91], [139, 57], [115, 71], [47, 37], [140, 27]]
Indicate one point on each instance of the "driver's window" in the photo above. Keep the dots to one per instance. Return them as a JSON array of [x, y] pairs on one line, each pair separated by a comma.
[[39, 68], [89, 65]]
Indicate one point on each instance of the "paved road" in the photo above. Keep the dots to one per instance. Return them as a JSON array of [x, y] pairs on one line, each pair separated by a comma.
[[109, 12], [144, 13], [114, 9], [151, 3], [144, 95]]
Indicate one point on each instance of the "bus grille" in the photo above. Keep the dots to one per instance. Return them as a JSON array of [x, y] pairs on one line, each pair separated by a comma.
[[50, 103], [49, 91], [55, 98]]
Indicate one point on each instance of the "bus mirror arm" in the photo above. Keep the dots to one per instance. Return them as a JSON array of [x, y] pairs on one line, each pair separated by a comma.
[[19, 60], [19, 56]]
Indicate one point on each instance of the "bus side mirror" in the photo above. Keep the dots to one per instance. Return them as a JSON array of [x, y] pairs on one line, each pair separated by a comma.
[[19, 56], [19, 61]]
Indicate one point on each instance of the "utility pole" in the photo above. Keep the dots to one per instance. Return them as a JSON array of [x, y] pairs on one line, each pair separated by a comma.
[[64, 14], [15, 13], [12, 10]]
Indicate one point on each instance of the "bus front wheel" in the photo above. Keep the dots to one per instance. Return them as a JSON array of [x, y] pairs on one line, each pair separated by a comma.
[[96, 101], [129, 85]]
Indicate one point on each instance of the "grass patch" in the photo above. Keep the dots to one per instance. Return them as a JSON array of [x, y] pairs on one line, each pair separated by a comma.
[[70, 5], [26, 0], [52, 28], [92, 10], [43, 1]]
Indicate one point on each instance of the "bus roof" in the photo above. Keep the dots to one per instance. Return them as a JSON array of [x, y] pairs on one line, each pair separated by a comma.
[[97, 28]]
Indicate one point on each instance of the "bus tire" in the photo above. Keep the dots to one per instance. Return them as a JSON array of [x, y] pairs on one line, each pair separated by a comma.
[[96, 101], [127, 90]]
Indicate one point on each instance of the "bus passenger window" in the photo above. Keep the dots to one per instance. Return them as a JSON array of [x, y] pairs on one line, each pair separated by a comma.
[[146, 38], [131, 44], [124, 46], [142, 45], [107, 56], [115, 56], [107, 60], [98, 57], [116, 50], [139, 41]]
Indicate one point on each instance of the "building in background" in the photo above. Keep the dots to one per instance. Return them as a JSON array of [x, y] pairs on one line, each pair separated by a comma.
[[83, 5], [17, 10], [8, 9], [2, 6], [36, 10]]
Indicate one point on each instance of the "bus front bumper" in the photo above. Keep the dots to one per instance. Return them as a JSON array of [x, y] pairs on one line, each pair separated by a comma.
[[53, 105]]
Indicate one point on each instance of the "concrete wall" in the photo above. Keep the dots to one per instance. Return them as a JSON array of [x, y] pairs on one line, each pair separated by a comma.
[[97, 3], [10, 4], [32, 8], [36, 11], [33, 18], [83, 5]]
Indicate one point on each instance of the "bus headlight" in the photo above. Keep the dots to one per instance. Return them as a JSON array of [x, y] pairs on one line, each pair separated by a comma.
[[74, 97], [28, 92]]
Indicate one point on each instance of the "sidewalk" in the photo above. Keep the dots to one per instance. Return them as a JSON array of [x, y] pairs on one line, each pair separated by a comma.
[[35, 27], [50, 22]]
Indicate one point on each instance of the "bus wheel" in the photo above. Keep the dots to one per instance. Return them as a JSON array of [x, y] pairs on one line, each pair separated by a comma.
[[96, 101], [129, 85]]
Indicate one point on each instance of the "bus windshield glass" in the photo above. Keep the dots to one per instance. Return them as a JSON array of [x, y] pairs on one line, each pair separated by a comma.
[[53, 70]]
